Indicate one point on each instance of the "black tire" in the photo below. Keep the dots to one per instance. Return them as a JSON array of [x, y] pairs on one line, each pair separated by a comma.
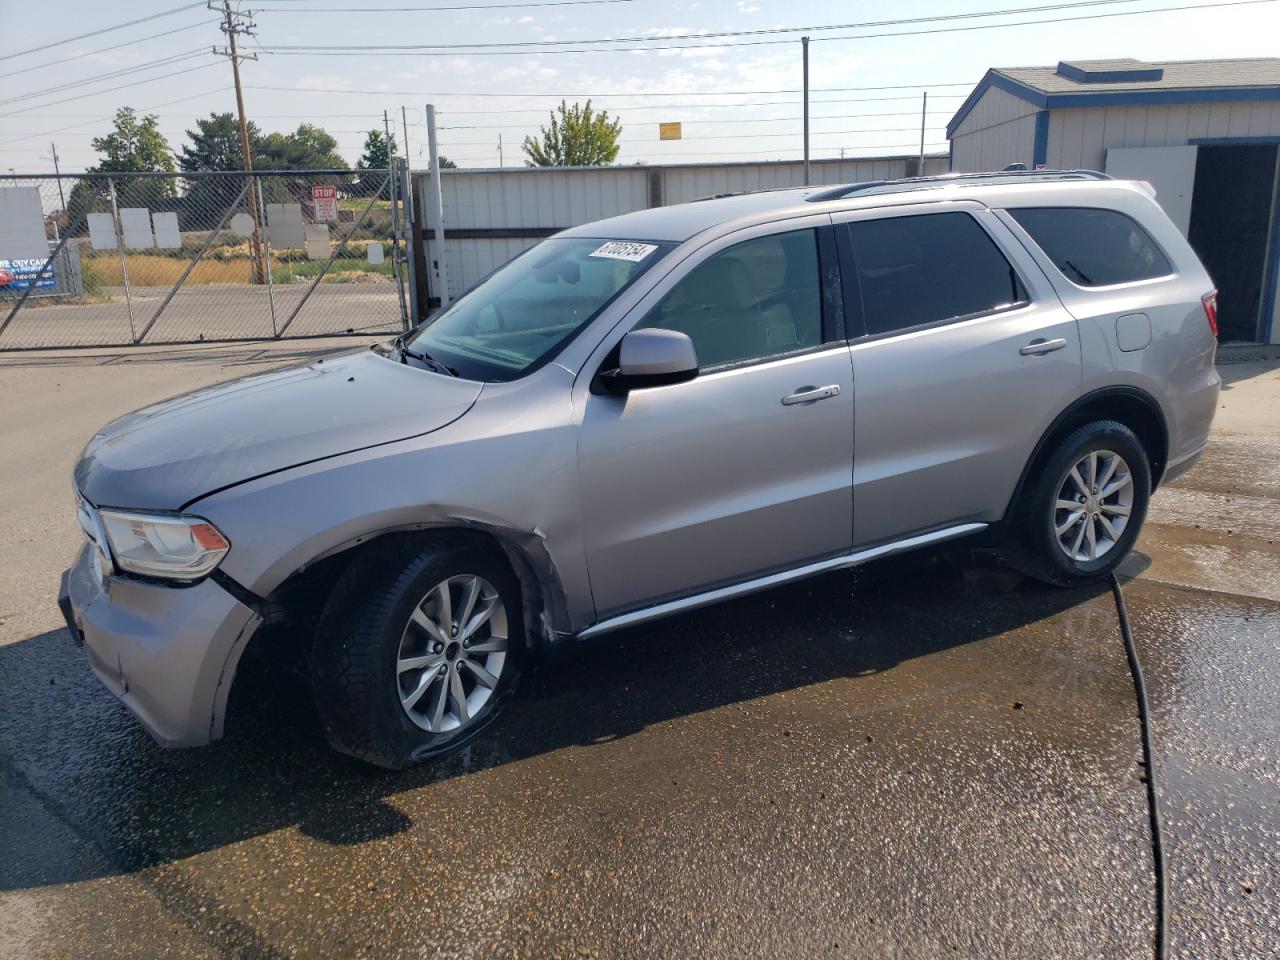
[[353, 661], [1032, 545]]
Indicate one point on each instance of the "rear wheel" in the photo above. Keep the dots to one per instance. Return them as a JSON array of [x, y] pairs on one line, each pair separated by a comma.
[[416, 652], [1083, 508]]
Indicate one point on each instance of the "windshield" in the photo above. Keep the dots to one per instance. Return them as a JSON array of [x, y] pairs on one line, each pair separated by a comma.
[[524, 313]]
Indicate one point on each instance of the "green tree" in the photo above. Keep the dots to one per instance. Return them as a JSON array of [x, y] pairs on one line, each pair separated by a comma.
[[215, 144], [578, 137], [214, 147], [379, 151], [134, 145], [307, 148], [446, 163]]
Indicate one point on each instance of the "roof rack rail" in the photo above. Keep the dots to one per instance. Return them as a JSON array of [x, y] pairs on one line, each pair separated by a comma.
[[942, 180]]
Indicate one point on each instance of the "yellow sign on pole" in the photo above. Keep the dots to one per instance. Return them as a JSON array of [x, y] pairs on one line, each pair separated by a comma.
[[669, 131]]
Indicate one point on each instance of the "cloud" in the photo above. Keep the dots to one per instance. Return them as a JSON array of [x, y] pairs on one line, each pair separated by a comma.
[[525, 19], [747, 6]]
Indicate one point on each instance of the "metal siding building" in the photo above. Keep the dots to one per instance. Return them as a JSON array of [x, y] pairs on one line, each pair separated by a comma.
[[493, 215], [1203, 133]]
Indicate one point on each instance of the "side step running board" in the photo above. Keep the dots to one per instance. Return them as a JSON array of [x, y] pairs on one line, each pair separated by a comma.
[[776, 579]]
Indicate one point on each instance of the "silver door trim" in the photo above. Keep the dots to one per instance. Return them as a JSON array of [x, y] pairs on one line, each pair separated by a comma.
[[776, 579]]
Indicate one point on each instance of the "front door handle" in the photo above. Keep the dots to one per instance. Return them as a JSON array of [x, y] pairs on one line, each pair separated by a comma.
[[1039, 347], [811, 394]]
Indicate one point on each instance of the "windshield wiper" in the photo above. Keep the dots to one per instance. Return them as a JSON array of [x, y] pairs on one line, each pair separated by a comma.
[[423, 357]]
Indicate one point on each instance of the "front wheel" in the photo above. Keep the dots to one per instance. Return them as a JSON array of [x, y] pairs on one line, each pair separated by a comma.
[[1081, 512], [416, 653]]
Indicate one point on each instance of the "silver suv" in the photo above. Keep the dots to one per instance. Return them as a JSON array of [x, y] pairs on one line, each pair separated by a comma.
[[641, 416]]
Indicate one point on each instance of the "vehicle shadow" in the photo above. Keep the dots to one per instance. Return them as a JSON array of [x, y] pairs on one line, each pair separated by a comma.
[[67, 741]]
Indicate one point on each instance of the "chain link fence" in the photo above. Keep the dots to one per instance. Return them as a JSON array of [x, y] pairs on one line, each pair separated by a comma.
[[127, 259]]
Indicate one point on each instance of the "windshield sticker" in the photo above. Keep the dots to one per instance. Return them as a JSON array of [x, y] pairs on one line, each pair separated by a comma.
[[624, 250]]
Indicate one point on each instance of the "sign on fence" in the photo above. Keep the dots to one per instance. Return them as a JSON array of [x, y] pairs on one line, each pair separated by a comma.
[[325, 201], [18, 274]]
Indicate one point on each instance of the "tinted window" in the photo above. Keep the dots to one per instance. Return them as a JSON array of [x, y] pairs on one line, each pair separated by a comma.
[[929, 268], [1094, 247], [522, 314], [756, 299]]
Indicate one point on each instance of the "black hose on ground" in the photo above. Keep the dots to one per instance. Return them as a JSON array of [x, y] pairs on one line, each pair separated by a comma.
[[1153, 790]]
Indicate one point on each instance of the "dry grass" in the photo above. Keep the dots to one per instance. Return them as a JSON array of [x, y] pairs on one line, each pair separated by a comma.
[[153, 271]]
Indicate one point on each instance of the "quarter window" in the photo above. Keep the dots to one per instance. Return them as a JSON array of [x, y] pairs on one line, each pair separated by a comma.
[[754, 300], [1094, 247], [927, 269]]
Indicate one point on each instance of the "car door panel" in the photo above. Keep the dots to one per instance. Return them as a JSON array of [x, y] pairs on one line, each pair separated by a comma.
[[946, 415], [696, 485]]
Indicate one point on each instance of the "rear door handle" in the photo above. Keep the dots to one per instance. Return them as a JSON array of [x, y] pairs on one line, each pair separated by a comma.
[[811, 394], [1039, 347]]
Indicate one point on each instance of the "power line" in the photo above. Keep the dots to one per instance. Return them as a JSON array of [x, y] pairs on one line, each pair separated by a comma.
[[94, 33], [712, 35], [625, 141], [718, 106], [615, 94], [483, 50], [99, 119], [109, 75], [94, 53], [701, 122], [753, 153], [465, 6], [163, 76]]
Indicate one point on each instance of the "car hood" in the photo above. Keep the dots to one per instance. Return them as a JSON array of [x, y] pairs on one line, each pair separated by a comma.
[[163, 457]]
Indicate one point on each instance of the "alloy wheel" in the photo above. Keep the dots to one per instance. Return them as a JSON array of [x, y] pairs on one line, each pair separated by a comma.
[[452, 653], [1093, 505]]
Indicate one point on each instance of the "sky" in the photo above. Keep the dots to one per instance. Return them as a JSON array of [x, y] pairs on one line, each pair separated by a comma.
[[737, 97]]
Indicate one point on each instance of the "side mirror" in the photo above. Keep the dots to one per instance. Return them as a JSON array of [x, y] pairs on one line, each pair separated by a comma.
[[652, 358]]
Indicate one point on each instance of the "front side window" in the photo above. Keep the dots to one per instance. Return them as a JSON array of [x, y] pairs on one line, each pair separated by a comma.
[[929, 268], [757, 299], [1094, 247], [527, 311]]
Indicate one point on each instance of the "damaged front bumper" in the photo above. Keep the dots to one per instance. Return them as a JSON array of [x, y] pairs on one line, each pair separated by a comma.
[[168, 652]]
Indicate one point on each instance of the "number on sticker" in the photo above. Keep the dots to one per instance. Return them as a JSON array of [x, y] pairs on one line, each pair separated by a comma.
[[624, 250]]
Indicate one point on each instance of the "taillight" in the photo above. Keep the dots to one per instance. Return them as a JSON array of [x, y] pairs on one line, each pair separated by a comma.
[[1210, 301]]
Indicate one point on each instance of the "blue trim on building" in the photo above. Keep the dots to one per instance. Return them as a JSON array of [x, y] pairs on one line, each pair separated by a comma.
[[1040, 148], [1000, 82], [1116, 98], [1227, 141], [1271, 277], [1133, 98], [1132, 75]]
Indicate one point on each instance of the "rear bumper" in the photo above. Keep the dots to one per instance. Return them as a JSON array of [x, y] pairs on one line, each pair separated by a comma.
[[168, 653]]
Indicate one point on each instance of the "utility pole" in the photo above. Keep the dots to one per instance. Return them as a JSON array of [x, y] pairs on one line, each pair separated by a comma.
[[233, 28], [500, 163], [804, 47], [391, 149], [437, 207], [57, 172], [404, 132], [924, 112]]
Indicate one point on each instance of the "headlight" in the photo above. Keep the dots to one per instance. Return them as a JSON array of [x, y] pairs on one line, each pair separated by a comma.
[[160, 545]]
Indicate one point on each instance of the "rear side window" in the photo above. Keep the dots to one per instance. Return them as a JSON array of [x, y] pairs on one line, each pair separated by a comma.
[[1092, 247], [929, 268]]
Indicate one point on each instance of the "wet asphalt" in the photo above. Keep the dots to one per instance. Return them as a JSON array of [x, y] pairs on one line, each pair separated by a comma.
[[928, 757]]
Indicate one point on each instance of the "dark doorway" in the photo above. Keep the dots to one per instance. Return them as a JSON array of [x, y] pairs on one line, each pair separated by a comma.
[[1230, 219]]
